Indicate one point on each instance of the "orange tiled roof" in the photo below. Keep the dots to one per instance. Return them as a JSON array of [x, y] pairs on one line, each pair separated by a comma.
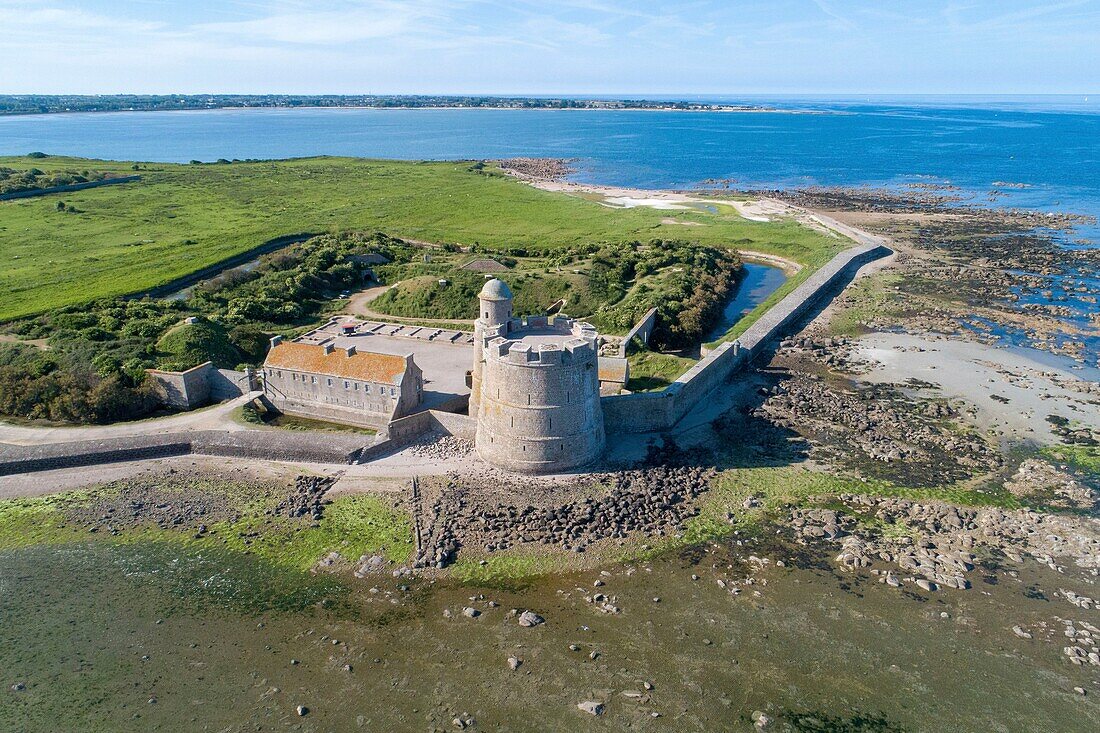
[[362, 365]]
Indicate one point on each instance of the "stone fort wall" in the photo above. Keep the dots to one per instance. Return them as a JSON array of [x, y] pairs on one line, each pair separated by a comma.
[[656, 411], [540, 409], [200, 385]]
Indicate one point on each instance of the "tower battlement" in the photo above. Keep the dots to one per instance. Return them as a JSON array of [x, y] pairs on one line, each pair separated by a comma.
[[572, 350], [535, 388]]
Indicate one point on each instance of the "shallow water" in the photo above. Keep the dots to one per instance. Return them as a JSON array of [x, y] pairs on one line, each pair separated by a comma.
[[757, 283], [807, 642]]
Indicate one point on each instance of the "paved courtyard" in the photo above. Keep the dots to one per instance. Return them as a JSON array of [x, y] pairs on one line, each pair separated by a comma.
[[444, 355]]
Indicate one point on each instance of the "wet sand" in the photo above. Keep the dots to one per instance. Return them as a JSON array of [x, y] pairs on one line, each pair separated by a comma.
[[1012, 391], [801, 644]]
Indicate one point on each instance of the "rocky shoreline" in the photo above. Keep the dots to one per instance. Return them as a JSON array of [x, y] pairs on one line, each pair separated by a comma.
[[537, 169]]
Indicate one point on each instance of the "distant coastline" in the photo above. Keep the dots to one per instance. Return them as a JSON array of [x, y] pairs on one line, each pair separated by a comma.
[[37, 104]]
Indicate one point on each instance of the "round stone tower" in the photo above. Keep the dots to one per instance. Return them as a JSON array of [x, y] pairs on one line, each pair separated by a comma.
[[538, 408], [494, 313]]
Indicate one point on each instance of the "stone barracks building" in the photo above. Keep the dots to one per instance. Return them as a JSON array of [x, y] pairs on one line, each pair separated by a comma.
[[325, 382]]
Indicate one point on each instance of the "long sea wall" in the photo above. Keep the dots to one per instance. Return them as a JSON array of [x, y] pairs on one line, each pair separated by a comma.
[[647, 412], [269, 445]]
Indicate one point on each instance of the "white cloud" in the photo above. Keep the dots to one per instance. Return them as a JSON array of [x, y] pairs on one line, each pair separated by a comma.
[[362, 22], [19, 16]]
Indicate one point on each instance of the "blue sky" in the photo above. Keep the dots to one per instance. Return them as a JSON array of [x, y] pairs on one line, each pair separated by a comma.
[[631, 47]]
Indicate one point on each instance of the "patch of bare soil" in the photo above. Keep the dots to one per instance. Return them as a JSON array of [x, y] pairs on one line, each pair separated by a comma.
[[191, 502]]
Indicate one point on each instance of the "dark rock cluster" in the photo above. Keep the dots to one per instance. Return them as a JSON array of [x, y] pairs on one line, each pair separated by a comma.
[[879, 425], [653, 501], [307, 498]]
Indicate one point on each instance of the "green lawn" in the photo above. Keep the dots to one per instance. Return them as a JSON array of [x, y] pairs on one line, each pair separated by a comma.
[[130, 237], [651, 371]]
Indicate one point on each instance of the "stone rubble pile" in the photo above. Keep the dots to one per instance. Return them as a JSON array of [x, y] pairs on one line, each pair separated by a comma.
[[307, 497], [933, 543], [1083, 638], [441, 447], [1078, 600], [655, 501], [1057, 486]]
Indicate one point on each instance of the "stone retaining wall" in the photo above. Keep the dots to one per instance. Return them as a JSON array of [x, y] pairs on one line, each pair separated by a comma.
[[29, 459], [647, 412], [641, 331], [261, 444]]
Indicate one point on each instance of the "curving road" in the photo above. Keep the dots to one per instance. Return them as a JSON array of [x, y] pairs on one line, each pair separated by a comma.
[[215, 417]]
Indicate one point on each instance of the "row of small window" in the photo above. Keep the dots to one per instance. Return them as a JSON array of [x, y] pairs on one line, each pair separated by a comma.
[[312, 379]]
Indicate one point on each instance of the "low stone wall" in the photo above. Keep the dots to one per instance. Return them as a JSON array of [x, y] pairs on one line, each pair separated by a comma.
[[29, 459], [65, 189], [200, 385], [641, 331], [270, 445], [656, 411], [330, 413], [267, 445]]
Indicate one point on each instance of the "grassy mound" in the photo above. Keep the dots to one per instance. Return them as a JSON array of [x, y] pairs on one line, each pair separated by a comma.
[[190, 344]]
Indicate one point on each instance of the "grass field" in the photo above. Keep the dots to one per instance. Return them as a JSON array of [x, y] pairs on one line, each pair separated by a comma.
[[179, 218], [650, 370]]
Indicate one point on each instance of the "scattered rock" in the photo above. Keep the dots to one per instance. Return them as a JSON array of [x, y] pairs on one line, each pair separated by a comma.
[[591, 707], [529, 619]]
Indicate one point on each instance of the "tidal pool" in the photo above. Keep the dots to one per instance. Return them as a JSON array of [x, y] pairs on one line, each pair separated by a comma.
[[150, 636], [757, 283]]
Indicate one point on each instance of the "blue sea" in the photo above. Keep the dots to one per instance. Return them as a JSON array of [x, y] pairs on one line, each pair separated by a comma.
[[1039, 153], [1048, 145]]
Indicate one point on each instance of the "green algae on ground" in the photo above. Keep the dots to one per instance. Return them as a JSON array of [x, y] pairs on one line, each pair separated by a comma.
[[512, 570], [351, 525], [814, 651], [774, 489], [37, 521], [1082, 457]]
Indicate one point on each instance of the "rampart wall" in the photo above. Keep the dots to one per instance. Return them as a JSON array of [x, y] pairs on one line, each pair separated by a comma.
[[656, 411], [199, 385], [642, 330]]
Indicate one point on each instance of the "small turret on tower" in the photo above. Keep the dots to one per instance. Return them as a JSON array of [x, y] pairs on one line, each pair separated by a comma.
[[495, 300], [494, 312]]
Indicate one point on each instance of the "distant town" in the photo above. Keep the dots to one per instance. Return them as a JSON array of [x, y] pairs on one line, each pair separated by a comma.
[[32, 104]]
